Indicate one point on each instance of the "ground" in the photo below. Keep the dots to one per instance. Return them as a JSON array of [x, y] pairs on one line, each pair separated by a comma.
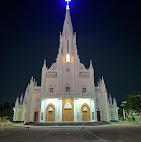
[[108, 133]]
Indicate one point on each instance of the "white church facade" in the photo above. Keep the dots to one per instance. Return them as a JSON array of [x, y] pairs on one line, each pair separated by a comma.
[[67, 91]]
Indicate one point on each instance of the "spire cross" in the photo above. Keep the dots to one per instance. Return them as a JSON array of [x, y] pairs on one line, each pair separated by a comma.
[[67, 1], [67, 6]]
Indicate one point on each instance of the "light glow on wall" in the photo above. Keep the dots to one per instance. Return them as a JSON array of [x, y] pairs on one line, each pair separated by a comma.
[[54, 101], [68, 57]]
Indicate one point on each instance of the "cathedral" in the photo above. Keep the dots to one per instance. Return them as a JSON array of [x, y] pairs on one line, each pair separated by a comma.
[[67, 91]]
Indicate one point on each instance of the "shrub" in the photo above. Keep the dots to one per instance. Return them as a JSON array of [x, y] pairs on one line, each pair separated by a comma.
[[122, 119], [129, 119]]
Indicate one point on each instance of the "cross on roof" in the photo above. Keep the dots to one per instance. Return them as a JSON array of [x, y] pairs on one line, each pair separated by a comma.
[[67, 1]]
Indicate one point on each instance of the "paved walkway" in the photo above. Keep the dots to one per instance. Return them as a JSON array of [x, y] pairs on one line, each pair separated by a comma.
[[114, 133]]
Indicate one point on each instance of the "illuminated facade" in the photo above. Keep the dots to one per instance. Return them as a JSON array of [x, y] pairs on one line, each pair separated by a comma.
[[67, 91]]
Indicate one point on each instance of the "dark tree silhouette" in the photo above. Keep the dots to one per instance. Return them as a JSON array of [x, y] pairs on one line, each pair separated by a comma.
[[133, 102]]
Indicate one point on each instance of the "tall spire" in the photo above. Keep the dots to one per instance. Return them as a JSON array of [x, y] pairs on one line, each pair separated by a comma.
[[67, 22], [67, 37], [21, 99], [44, 66], [67, 28]]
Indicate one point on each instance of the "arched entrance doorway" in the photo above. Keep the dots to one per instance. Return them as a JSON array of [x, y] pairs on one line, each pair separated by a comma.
[[36, 114], [98, 114], [85, 109], [50, 113], [67, 110]]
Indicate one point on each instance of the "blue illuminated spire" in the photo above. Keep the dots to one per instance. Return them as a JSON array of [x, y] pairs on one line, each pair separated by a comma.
[[67, 6]]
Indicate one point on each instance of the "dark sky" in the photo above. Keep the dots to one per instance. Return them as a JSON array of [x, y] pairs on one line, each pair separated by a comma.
[[108, 33]]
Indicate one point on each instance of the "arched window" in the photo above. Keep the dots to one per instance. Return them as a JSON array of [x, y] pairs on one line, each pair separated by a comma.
[[67, 46], [85, 108], [61, 50], [67, 105], [68, 57], [51, 89], [97, 101], [67, 87], [50, 108], [83, 88]]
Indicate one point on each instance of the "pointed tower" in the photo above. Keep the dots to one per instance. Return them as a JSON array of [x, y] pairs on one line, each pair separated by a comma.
[[31, 84], [67, 38], [43, 79], [26, 94], [115, 109], [67, 59], [21, 100], [17, 102], [34, 82], [15, 116], [110, 100], [115, 102], [91, 70]]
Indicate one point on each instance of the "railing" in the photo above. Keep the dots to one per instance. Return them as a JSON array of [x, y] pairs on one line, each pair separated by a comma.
[[37, 89], [51, 74], [84, 74], [69, 95], [98, 89]]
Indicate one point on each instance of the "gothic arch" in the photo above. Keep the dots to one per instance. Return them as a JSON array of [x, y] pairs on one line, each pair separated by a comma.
[[51, 85], [67, 87], [67, 105], [66, 102], [84, 85], [99, 113], [85, 112], [50, 113], [84, 88], [67, 111], [36, 109], [51, 88], [67, 84]]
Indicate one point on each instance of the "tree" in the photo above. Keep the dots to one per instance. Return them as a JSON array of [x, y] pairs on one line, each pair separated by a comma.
[[6, 107], [133, 102], [0, 107], [1, 110], [6, 110]]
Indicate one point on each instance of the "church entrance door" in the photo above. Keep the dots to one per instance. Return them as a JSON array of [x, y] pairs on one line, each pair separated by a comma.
[[98, 116], [36, 112], [85, 109], [36, 116], [50, 113], [67, 110]]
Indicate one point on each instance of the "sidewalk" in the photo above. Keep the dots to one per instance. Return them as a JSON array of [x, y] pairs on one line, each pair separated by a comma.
[[126, 123]]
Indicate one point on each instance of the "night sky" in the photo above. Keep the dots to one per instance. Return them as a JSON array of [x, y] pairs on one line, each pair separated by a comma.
[[108, 33]]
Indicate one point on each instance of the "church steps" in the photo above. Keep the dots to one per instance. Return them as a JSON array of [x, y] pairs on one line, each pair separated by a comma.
[[68, 123]]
